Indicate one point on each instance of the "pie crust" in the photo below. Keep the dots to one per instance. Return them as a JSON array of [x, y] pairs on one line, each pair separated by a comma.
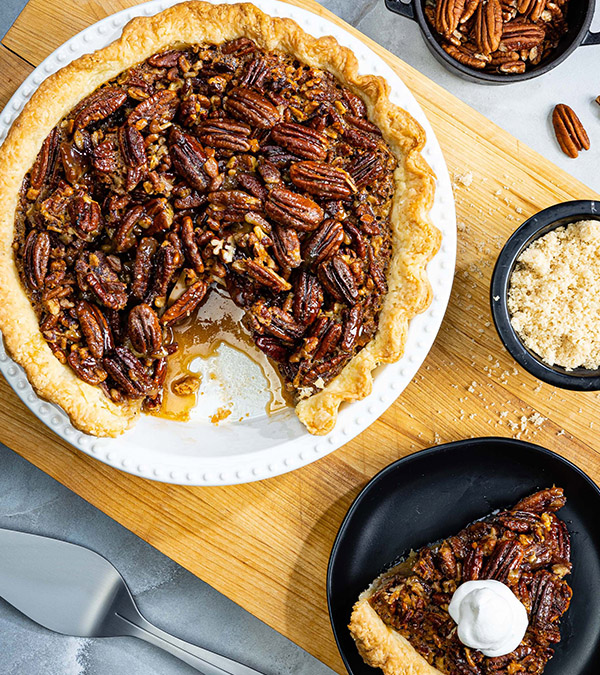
[[414, 239], [379, 644]]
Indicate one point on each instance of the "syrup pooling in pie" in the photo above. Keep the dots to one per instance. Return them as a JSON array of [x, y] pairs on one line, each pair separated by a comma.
[[208, 166], [216, 323]]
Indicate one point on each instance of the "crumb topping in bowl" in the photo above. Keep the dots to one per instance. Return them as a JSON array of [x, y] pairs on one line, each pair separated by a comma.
[[554, 296]]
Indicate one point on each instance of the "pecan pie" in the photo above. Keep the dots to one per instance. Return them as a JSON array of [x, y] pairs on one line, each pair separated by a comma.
[[211, 146], [401, 623]]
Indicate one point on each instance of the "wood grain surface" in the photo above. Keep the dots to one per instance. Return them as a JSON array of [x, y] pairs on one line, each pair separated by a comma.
[[266, 545]]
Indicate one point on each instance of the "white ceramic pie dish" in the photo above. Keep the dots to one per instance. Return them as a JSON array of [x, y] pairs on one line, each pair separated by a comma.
[[253, 445]]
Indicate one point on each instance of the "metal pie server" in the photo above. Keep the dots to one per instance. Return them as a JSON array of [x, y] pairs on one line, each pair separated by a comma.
[[72, 590]]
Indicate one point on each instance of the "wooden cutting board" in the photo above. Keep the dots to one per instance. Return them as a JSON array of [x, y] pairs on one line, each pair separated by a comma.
[[266, 545]]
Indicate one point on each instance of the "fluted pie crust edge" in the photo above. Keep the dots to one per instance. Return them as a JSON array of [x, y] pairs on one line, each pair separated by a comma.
[[379, 644], [414, 239]]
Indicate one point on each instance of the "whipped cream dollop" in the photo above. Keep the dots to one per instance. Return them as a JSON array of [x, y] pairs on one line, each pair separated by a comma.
[[489, 616]]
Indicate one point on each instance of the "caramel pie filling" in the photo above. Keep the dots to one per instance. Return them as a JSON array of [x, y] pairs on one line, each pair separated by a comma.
[[526, 547], [208, 167]]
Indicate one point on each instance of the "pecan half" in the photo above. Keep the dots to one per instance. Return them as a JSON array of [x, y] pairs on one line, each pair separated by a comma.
[[293, 210], [308, 298], [488, 26], [276, 322], [300, 140], [160, 107], [131, 143], [247, 104], [570, 133], [97, 106], [85, 216], [190, 245], [520, 34], [185, 304], [233, 135], [365, 169], [464, 56], [352, 328], [188, 158], [144, 331], [322, 180], [95, 275], [324, 242], [286, 247], [45, 162], [263, 275], [86, 367], [532, 9], [125, 236], [143, 266], [551, 499], [236, 200], [337, 278], [167, 261], [506, 557], [95, 329], [128, 372], [448, 14], [272, 348], [36, 255]]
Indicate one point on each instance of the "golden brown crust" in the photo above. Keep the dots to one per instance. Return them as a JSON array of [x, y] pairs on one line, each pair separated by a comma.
[[414, 239], [382, 646]]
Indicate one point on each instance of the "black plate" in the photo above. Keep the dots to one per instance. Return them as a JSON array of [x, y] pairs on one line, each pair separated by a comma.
[[436, 492]]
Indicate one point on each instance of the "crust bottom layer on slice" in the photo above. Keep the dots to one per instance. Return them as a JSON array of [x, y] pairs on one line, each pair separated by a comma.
[[383, 647]]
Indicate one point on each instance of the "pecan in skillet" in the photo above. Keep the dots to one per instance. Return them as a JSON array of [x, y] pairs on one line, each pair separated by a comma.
[[208, 165], [526, 547], [498, 36]]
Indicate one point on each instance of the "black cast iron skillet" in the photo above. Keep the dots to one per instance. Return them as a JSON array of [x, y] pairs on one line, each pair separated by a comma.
[[579, 18], [559, 215], [433, 494]]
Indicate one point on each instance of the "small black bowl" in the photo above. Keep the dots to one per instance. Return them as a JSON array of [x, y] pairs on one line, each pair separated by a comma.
[[579, 379], [433, 494], [579, 19]]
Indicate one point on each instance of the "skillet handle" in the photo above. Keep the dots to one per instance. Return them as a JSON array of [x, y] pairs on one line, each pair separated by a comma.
[[406, 9], [590, 38]]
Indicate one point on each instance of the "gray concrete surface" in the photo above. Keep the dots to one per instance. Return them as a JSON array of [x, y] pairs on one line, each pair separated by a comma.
[[167, 595], [170, 596]]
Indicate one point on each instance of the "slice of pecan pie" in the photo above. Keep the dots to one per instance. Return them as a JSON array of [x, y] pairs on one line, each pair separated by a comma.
[[210, 147], [401, 623]]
